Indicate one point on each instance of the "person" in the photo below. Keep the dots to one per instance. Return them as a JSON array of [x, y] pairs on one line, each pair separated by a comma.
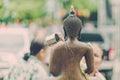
[[33, 67], [98, 56], [66, 55]]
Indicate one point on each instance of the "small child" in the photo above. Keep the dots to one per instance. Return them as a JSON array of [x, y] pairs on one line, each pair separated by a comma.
[[98, 56]]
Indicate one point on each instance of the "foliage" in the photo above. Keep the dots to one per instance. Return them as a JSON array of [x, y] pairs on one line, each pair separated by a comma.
[[91, 5], [1, 9], [30, 9], [33, 9], [25, 8]]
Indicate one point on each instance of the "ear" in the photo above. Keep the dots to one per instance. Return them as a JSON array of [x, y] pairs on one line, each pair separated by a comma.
[[65, 34], [79, 35]]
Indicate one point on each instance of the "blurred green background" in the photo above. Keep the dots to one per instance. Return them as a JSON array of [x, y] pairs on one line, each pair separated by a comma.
[[11, 10]]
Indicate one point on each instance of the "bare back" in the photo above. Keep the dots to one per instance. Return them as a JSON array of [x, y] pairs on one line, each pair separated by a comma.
[[66, 57]]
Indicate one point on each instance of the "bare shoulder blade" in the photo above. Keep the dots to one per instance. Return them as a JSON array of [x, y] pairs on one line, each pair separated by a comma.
[[55, 61]]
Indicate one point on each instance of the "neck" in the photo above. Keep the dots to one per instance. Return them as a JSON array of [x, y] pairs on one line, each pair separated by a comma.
[[38, 57], [72, 39]]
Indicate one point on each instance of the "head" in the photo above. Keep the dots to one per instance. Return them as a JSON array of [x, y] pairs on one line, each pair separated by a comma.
[[98, 54], [38, 50], [72, 26]]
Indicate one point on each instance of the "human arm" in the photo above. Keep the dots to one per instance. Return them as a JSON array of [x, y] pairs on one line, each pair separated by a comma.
[[89, 60]]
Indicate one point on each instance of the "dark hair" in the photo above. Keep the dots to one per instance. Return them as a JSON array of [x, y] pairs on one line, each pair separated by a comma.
[[35, 47], [72, 25], [26, 56]]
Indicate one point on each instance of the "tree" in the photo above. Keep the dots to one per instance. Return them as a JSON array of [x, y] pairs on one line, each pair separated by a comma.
[[23, 8], [91, 5]]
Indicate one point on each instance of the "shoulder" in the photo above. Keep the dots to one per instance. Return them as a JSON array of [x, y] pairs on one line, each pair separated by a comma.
[[19, 68], [58, 46], [100, 76], [84, 45], [21, 64], [58, 49]]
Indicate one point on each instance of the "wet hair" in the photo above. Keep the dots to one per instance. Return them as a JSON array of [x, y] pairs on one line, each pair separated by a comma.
[[35, 47], [72, 25]]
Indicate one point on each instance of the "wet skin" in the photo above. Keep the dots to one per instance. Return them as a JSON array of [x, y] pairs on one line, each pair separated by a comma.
[[65, 63]]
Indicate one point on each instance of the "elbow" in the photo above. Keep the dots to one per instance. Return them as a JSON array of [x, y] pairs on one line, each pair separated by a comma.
[[54, 72], [89, 70]]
